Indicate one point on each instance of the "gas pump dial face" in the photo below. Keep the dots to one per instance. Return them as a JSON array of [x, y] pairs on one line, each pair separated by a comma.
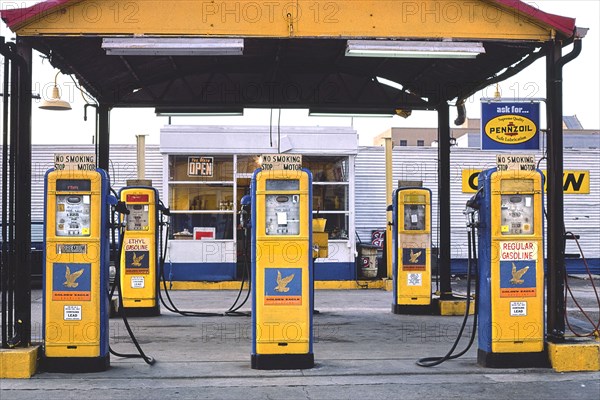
[[516, 214], [282, 214], [137, 219], [414, 217], [73, 215]]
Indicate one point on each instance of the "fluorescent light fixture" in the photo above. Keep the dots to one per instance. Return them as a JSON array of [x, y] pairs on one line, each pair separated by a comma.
[[197, 112], [348, 114], [389, 83], [412, 49], [145, 46]]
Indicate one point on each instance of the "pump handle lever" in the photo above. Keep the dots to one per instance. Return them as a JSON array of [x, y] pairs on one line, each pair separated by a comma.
[[121, 208], [165, 210]]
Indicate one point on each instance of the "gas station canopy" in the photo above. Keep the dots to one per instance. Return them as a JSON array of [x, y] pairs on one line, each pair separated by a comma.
[[193, 56]]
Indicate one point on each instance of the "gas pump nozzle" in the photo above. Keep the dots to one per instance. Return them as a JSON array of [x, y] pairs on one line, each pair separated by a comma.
[[245, 214], [473, 202], [471, 211], [164, 210], [121, 207]]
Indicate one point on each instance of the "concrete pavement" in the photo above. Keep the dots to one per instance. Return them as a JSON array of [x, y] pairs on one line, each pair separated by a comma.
[[362, 351]]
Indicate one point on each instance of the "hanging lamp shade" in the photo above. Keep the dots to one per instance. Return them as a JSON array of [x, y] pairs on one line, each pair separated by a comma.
[[55, 103]]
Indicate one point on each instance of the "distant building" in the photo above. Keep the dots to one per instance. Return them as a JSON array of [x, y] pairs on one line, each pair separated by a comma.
[[468, 135], [423, 137]]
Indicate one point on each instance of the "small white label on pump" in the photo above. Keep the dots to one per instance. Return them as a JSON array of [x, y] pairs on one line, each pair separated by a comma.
[[282, 218], [414, 218], [72, 313], [518, 308], [415, 279], [137, 282]]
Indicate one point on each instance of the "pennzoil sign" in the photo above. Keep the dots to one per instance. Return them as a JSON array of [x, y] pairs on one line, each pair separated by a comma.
[[510, 126]]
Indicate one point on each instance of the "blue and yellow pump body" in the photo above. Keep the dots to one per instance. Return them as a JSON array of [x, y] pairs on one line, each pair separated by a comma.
[[511, 269], [76, 271], [139, 272], [411, 262], [282, 270]]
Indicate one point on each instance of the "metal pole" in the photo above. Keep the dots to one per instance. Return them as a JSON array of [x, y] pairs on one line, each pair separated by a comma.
[[555, 243], [23, 199], [103, 136], [444, 199], [4, 277], [141, 156], [555, 328], [13, 132], [389, 184]]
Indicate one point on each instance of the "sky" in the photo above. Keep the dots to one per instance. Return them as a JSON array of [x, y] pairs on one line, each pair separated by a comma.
[[581, 91]]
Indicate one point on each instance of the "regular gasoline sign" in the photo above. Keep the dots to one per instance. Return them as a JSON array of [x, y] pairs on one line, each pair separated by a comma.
[[510, 125]]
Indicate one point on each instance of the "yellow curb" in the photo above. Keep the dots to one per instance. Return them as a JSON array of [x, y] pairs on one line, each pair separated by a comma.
[[319, 285], [18, 363], [343, 285], [455, 307], [570, 357]]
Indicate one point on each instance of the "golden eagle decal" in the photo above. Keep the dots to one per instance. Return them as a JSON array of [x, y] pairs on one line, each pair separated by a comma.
[[72, 277], [414, 257], [283, 282], [517, 275], [137, 260]]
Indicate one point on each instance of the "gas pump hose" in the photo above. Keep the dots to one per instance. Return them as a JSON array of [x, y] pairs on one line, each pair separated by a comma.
[[472, 257], [171, 306], [233, 310], [142, 355], [595, 325]]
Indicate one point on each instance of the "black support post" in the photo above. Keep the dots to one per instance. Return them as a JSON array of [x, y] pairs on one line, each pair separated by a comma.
[[555, 241], [444, 199], [22, 89], [103, 136], [14, 132], [4, 266], [555, 229]]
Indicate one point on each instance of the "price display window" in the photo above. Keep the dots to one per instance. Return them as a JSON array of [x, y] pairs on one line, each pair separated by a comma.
[[73, 215]]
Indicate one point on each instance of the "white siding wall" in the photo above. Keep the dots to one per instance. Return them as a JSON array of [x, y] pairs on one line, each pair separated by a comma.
[[123, 166], [582, 212]]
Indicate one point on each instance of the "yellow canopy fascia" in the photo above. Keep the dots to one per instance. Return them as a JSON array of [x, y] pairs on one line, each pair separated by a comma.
[[481, 19]]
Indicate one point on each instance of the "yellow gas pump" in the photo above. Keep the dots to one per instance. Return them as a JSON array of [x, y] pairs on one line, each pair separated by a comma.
[[139, 256], [412, 250], [76, 304], [511, 269], [282, 270]]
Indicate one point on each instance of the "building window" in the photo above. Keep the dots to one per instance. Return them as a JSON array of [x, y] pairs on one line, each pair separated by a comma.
[[205, 192], [202, 194], [403, 142], [420, 143], [331, 193]]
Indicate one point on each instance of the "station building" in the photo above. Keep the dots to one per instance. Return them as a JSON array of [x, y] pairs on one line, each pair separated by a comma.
[[348, 191]]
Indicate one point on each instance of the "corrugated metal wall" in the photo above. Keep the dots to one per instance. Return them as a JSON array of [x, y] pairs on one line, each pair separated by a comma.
[[122, 167], [582, 212]]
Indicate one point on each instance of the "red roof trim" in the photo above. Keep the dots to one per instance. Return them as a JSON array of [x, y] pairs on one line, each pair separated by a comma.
[[565, 25]]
